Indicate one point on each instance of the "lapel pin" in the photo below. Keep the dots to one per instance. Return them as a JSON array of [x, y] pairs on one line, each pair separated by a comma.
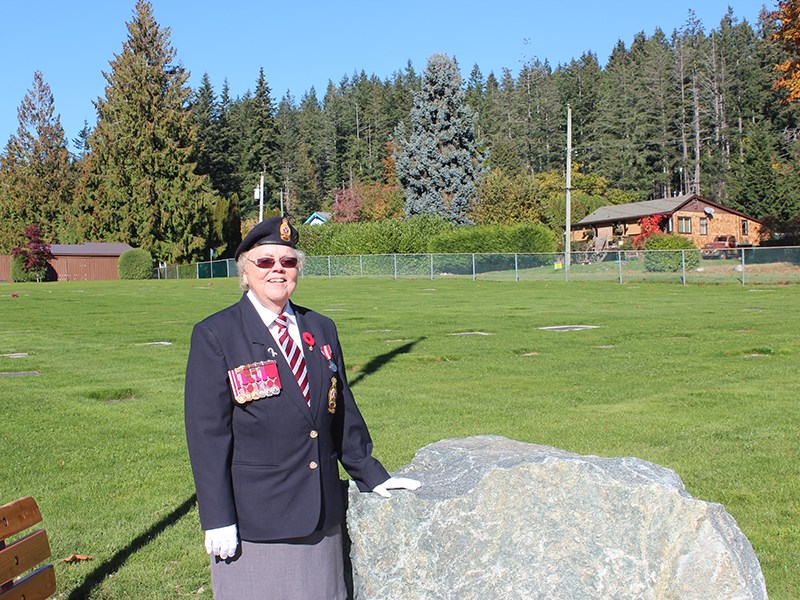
[[308, 339]]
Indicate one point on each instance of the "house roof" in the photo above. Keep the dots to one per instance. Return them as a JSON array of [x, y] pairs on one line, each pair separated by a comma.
[[322, 216], [90, 249], [637, 210]]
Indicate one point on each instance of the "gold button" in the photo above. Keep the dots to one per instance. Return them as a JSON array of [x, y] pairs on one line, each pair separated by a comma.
[[313, 434], [312, 465]]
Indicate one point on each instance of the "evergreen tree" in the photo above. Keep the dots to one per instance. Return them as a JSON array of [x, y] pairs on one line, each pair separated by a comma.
[[286, 121], [304, 194], [732, 81], [204, 117], [542, 127], [213, 159], [497, 134], [401, 95], [223, 156], [634, 141], [355, 155], [36, 180], [474, 95], [260, 144], [335, 144], [81, 142], [369, 98], [139, 184], [754, 185], [438, 164], [690, 45], [311, 126], [578, 84], [226, 227], [509, 125], [654, 129], [616, 140], [489, 119]]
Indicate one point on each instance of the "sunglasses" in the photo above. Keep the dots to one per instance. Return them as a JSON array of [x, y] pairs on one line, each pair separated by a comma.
[[267, 262]]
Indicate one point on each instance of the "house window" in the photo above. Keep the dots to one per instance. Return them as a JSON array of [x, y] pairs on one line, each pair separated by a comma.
[[684, 224], [669, 226], [744, 227], [703, 226]]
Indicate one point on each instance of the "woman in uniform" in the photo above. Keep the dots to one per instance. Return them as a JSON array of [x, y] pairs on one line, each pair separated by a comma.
[[269, 416]]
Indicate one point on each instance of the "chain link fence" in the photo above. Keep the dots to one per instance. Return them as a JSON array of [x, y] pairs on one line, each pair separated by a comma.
[[739, 266]]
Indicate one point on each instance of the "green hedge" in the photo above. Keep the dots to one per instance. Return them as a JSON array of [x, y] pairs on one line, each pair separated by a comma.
[[528, 237], [389, 236], [21, 275], [421, 235], [670, 262], [136, 263]]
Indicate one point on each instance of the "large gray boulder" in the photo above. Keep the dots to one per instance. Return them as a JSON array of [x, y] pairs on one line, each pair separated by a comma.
[[497, 518]]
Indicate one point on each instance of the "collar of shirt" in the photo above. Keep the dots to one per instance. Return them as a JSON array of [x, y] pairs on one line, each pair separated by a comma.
[[268, 318]]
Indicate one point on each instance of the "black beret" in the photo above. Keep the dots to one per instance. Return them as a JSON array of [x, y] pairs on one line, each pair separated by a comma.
[[275, 230]]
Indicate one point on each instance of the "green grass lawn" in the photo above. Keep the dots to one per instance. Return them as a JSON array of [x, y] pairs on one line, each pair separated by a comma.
[[700, 379]]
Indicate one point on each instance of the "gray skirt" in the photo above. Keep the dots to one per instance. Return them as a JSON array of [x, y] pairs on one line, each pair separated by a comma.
[[310, 568]]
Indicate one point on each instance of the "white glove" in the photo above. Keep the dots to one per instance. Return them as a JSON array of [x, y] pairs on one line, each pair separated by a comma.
[[396, 483], [222, 541]]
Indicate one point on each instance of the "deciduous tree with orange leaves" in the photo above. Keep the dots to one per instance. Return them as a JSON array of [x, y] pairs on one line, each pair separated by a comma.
[[787, 18]]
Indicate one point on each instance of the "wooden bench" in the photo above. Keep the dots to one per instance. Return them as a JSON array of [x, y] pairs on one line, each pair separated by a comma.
[[24, 554]]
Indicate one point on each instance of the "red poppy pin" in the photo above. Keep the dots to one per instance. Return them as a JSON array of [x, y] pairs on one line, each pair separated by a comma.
[[308, 339]]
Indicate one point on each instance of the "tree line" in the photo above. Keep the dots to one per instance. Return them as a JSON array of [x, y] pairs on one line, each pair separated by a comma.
[[174, 169]]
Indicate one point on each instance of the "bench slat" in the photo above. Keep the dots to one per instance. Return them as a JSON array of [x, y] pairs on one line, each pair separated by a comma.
[[24, 554], [38, 585], [18, 516]]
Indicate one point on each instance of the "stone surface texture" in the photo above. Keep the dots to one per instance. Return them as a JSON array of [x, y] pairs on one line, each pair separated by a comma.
[[497, 518]]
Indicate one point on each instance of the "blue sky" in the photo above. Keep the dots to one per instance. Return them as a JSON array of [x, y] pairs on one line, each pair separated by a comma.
[[306, 43]]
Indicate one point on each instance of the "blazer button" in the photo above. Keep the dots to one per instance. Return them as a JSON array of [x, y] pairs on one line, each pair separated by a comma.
[[312, 465], [313, 433]]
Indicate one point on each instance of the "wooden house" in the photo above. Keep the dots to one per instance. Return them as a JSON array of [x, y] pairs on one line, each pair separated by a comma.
[[691, 216]]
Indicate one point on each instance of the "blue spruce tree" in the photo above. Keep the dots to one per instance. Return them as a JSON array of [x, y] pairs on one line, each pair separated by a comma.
[[438, 163]]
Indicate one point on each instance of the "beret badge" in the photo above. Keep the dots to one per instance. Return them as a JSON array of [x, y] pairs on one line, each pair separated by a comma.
[[286, 233]]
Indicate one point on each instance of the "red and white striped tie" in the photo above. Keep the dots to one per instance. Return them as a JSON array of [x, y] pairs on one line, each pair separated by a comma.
[[295, 357]]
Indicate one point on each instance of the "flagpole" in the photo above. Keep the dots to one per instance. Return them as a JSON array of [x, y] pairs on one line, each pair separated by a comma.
[[568, 228]]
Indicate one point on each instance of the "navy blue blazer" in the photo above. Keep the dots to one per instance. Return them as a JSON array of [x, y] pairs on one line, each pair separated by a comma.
[[271, 465]]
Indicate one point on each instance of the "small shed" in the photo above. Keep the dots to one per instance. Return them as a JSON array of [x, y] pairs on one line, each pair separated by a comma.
[[79, 262], [689, 215], [90, 261], [318, 218]]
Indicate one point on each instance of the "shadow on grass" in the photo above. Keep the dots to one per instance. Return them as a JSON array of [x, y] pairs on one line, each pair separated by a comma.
[[96, 577], [379, 361]]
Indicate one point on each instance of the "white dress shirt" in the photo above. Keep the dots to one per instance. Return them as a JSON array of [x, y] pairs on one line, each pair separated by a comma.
[[268, 317]]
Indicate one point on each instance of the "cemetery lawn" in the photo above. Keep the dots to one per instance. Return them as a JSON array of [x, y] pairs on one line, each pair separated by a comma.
[[702, 379]]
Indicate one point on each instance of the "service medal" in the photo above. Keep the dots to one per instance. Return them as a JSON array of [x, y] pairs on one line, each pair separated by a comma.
[[255, 381], [332, 396], [326, 352]]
